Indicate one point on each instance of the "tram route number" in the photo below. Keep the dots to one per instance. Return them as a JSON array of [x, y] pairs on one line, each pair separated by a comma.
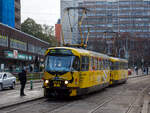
[[56, 83]]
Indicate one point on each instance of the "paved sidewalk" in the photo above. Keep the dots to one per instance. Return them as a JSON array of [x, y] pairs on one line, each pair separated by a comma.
[[140, 73], [13, 97]]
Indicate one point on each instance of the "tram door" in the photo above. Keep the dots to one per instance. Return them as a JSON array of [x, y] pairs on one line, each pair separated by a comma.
[[84, 72]]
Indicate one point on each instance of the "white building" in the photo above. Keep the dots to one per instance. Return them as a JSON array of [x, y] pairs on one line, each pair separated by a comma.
[[73, 36]]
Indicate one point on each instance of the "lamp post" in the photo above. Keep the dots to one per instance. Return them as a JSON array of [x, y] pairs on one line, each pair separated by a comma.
[[120, 49]]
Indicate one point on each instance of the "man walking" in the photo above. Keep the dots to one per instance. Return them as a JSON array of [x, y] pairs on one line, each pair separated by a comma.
[[23, 79]]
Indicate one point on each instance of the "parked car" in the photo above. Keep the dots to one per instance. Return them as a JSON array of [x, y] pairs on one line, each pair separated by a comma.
[[7, 80], [129, 71]]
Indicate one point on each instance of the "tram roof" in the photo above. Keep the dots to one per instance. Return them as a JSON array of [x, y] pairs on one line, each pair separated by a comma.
[[83, 51], [115, 59]]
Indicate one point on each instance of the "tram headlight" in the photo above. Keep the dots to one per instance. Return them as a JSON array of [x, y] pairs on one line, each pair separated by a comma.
[[46, 81], [66, 82]]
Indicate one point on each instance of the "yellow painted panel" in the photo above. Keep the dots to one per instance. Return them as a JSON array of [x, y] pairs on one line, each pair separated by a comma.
[[73, 92]]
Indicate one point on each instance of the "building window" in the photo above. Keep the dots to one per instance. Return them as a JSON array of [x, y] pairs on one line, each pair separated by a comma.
[[3, 41], [31, 48], [36, 49], [16, 44]]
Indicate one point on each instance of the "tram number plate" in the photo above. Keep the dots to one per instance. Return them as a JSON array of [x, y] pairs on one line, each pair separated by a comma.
[[57, 83]]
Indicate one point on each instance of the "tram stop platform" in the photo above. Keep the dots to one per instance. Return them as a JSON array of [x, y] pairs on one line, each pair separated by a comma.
[[12, 97]]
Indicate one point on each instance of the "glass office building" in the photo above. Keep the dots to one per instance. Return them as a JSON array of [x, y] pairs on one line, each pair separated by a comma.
[[120, 16]]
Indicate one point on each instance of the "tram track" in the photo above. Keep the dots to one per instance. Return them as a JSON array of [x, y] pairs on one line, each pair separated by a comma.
[[51, 105], [133, 103], [132, 108], [99, 106], [13, 107], [99, 100]]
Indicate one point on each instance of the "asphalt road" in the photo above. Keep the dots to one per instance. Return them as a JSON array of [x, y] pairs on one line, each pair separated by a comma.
[[123, 98]]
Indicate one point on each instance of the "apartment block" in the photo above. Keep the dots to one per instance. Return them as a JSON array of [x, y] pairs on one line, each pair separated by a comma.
[[17, 14]]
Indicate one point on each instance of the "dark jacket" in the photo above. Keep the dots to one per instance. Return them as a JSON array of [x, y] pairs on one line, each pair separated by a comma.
[[22, 77]]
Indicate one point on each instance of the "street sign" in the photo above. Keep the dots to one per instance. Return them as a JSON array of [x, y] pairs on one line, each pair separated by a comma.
[[15, 53], [2, 66]]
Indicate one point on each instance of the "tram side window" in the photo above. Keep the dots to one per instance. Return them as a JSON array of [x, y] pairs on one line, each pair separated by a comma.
[[121, 65], [96, 63], [92, 63], [104, 64], [85, 63], [126, 65], [76, 64], [115, 66], [108, 65], [99, 64], [111, 66]]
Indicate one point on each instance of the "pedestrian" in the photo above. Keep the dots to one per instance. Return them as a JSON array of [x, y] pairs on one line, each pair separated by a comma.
[[136, 70], [147, 71], [22, 78], [144, 70]]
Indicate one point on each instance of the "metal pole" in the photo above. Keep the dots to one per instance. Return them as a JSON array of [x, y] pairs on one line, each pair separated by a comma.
[[31, 82], [120, 51]]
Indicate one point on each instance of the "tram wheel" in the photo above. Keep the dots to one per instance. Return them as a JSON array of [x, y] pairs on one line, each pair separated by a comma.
[[46, 93]]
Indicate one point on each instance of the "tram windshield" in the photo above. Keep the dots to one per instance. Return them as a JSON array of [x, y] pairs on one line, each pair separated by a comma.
[[59, 63]]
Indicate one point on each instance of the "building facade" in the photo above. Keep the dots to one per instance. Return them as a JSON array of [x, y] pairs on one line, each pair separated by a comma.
[[19, 50], [10, 13], [58, 32], [69, 21], [17, 14], [117, 16], [117, 24]]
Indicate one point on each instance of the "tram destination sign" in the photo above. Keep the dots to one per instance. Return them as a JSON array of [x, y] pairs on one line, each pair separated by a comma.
[[60, 52]]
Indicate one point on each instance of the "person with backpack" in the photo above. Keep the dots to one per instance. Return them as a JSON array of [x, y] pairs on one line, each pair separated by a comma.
[[23, 79]]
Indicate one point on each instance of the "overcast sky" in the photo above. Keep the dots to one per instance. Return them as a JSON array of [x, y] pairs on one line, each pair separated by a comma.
[[42, 11]]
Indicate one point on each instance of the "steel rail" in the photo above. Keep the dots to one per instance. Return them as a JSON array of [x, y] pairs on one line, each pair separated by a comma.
[[132, 104], [102, 104]]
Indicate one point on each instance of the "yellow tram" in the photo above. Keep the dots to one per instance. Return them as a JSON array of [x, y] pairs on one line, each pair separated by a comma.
[[72, 71], [119, 70]]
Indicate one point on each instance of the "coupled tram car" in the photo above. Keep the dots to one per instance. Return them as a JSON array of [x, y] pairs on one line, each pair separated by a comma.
[[74, 72]]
